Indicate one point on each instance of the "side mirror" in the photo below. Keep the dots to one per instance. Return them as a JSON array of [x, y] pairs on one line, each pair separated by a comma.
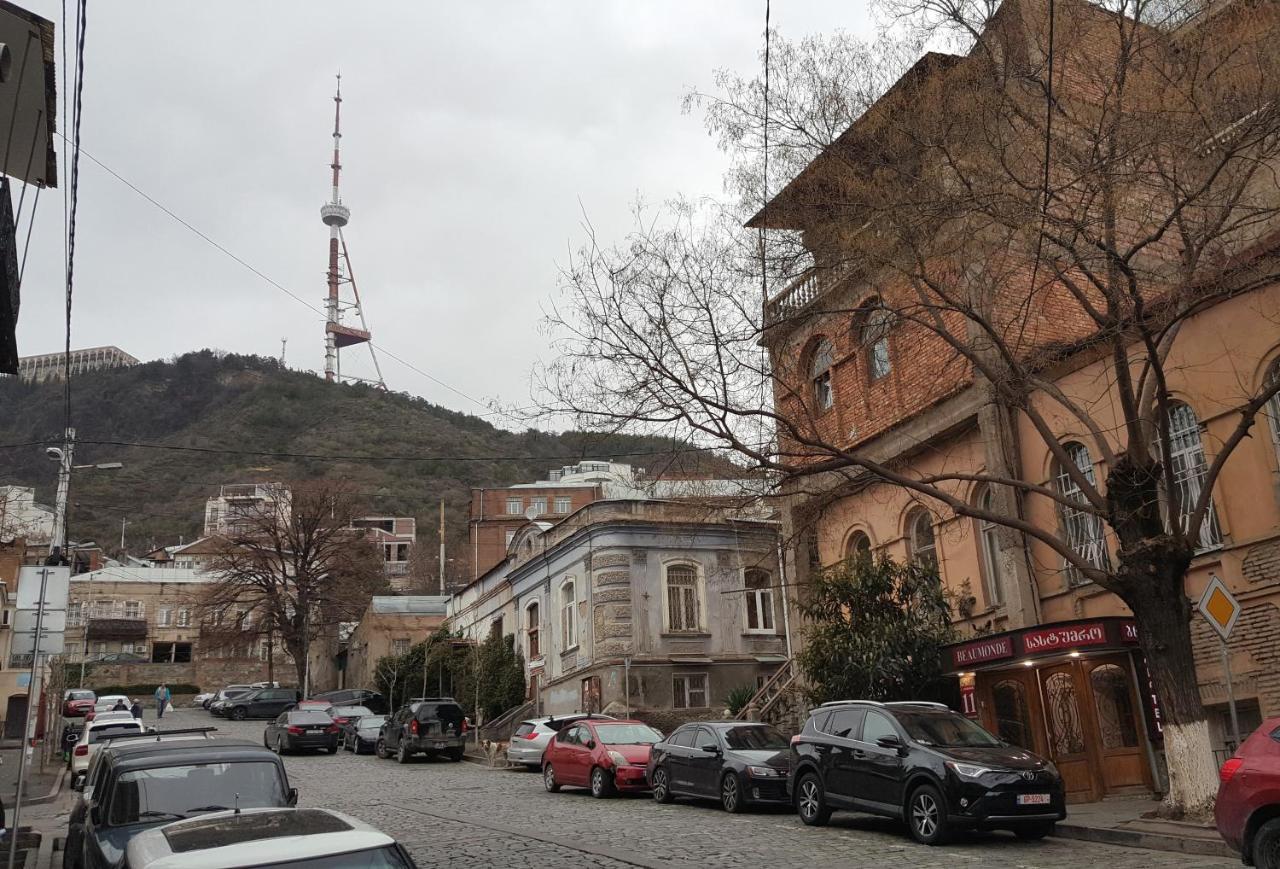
[[890, 742], [711, 748], [591, 743], [292, 797]]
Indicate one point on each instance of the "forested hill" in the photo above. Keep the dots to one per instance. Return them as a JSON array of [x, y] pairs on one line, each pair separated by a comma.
[[252, 404]]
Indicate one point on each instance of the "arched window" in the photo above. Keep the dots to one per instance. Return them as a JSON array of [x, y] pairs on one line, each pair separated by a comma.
[[1082, 528], [820, 374], [568, 616], [858, 546], [874, 321], [531, 625], [920, 540], [759, 601], [1273, 405], [1186, 460], [989, 543], [684, 609]]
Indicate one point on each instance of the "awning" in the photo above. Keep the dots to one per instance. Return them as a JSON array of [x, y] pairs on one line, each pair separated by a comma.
[[995, 651], [675, 660]]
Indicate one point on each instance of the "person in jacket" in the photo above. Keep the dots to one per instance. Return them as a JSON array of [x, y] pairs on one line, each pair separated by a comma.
[[162, 699], [120, 706], [136, 710]]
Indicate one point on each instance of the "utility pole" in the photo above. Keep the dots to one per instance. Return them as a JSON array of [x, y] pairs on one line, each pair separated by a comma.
[[442, 546], [123, 522]]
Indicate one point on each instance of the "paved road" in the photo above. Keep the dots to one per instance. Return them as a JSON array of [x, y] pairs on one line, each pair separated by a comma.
[[464, 815]]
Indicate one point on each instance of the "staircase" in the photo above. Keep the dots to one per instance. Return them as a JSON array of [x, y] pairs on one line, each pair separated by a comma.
[[779, 701], [501, 728]]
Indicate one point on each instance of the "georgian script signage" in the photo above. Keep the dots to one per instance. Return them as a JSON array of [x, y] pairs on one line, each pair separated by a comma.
[[982, 651], [1066, 637], [1129, 632]]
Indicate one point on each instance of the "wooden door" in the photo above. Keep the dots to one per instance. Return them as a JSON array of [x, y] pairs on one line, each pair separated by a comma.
[[1010, 708], [1067, 730], [1116, 716]]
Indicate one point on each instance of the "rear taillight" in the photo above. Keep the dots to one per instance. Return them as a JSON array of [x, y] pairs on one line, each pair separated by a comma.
[[795, 739], [1230, 768], [529, 736], [413, 727], [332, 728], [81, 750], [295, 729], [466, 726]]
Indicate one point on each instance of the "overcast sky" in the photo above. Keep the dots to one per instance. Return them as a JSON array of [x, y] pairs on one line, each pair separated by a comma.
[[475, 134]]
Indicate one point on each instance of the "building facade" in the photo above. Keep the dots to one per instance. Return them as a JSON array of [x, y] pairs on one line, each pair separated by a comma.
[[21, 516], [390, 625], [634, 604], [52, 366], [395, 538], [237, 505]]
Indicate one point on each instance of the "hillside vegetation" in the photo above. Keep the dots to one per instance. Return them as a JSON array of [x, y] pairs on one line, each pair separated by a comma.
[[253, 405]]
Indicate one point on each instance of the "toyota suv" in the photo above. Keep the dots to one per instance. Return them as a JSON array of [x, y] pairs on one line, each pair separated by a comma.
[[923, 764], [429, 725]]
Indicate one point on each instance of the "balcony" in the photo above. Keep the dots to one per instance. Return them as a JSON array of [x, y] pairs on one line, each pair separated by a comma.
[[803, 292], [116, 629]]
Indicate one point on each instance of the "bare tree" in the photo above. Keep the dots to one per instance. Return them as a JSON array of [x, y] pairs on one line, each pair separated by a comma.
[[1065, 193], [295, 563]]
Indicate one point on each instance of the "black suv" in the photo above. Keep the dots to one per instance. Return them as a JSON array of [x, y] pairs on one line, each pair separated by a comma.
[[428, 725], [143, 781], [924, 764], [262, 703]]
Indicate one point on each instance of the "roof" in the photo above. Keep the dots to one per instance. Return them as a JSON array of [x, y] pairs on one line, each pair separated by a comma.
[[124, 573], [410, 604], [143, 753]]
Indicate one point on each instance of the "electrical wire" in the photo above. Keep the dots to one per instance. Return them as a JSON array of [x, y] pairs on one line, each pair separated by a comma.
[[76, 112]]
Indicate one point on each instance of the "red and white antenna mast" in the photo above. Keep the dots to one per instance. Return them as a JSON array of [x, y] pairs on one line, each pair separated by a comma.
[[335, 216]]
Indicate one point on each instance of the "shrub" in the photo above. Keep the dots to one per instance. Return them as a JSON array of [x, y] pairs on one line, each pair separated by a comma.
[[738, 698]]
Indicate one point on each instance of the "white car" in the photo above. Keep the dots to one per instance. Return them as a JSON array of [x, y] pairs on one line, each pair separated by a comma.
[[108, 703], [266, 837], [104, 726], [531, 736], [199, 699]]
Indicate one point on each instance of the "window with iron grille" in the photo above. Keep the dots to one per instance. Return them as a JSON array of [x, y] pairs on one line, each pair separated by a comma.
[[683, 600], [1083, 529], [1187, 462], [689, 690]]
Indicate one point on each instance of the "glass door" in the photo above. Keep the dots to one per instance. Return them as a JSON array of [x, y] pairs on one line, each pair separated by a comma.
[[1065, 727]]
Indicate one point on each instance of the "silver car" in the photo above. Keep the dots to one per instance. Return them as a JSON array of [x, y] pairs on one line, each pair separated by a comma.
[[532, 735]]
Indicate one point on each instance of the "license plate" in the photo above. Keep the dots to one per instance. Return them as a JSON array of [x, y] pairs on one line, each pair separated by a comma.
[[1033, 799], [439, 745]]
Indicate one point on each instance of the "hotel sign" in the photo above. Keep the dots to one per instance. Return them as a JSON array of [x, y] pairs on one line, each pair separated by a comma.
[[982, 651]]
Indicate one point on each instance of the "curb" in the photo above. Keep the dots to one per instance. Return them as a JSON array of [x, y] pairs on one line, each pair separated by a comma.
[[1151, 841], [52, 795]]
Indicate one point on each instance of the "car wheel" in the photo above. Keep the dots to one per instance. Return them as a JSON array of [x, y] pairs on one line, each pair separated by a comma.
[[662, 786], [927, 816], [1266, 845], [1032, 832], [357, 747], [239, 713], [402, 755], [333, 749], [731, 794], [811, 802], [549, 779], [380, 748], [601, 783], [280, 745]]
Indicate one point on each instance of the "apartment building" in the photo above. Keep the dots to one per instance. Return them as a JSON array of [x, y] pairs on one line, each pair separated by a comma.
[[395, 538], [21, 516], [52, 366], [238, 504], [390, 625]]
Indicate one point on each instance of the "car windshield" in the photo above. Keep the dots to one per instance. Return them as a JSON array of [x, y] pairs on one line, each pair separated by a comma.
[[371, 722], [110, 731], [148, 795], [76, 694], [373, 858], [755, 737], [627, 734], [945, 729]]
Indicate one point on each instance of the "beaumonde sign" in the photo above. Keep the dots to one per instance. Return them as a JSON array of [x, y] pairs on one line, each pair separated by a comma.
[[1040, 641]]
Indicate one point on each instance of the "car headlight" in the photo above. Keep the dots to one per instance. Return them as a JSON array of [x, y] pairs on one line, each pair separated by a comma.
[[617, 758], [968, 770], [1050, 768], [763, 772]]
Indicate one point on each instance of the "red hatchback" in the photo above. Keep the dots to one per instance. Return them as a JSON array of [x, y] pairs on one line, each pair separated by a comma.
[[1248, 807], [77, 701], [606, 756]]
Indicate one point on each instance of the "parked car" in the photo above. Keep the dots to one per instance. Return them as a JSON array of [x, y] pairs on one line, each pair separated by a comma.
[[361, 734], [223, 695], [739, 763], [372, 700], [530, 738], [301, 729], [95, 732], [432, 726], [1248, 806], [77, 701], [342, 714], [921, 763], [203, 700], [138, 783], [267, 837], [605, 756], [261, 703]]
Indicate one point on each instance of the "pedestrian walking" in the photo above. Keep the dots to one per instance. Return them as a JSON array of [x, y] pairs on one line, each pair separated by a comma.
[[162, 699]]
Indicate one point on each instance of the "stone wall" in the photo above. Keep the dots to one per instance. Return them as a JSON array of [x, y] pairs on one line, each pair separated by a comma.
[[208, 674]]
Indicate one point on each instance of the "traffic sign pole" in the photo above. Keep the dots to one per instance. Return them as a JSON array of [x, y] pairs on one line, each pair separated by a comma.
[[1221, 609], [1231, 695]]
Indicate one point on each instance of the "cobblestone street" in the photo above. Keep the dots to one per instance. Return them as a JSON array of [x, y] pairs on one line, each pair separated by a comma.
[[464, 815]]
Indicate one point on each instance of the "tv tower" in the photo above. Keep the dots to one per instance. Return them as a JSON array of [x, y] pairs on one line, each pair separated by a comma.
[[335, 216]]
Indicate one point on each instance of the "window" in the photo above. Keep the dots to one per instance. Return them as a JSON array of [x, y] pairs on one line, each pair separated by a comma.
[[877, 726], [683, 737], [100, 609], [164, 617], [184, 618], [813, 555], [683, 610], [568, 613], [539, 504], [399, 646], [515, 506], [858, 546], [132, 609], [75, 611], [820, 374], [920, 540], [496, 628], [689, 690], [563, 505], [531, 629], [511, 535], [1272, 410], [989, 543], [395, 552], [1189, 468], [1083, 529], [759, 601], [845, 723], [874, 322]]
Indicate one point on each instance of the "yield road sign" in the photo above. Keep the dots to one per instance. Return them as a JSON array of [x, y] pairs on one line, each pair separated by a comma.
[[1219, 607]]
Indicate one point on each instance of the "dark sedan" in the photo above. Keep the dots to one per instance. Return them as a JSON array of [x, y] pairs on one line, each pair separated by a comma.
[[301, 730], [740, 763], [361, 734]]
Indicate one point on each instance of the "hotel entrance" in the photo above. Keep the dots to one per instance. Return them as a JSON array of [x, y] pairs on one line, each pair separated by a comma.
[[1069, 692]]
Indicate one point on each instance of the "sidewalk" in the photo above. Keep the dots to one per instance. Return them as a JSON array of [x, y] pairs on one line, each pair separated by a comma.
[[43, 806], [1119, 821]]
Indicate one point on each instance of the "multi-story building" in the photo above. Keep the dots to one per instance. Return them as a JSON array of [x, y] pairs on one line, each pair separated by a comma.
[[51, 366], [395, 538], [21, 516], [239, 504], [683, 599], [390, 625], [1050, 659]]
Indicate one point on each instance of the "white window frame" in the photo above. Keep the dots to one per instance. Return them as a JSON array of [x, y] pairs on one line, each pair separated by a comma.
[[762, 597], [568, 607], [135, 606], [515, 506], [682, 692], [184, 617], [699, 601], [563, 505], [75, 614], [1190, 466], [539, 503], [989, 544], [923, 555], [164, 616], [1083, 529], [400, 645]]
